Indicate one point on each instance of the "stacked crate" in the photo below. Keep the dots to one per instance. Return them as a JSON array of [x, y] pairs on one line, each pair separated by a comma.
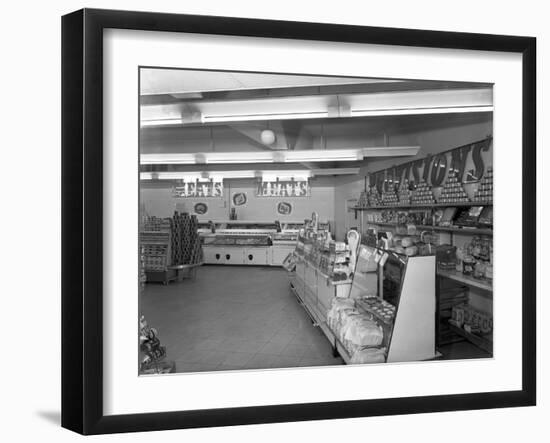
[[155, 250]]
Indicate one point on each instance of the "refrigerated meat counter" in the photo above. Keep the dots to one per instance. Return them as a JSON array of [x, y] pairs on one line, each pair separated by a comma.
[[237, 242]]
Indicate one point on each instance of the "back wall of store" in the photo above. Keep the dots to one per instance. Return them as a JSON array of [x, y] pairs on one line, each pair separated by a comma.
[[157, 200]]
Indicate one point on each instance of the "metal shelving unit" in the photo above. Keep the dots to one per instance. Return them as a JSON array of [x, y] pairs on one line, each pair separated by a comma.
[[433, 205]]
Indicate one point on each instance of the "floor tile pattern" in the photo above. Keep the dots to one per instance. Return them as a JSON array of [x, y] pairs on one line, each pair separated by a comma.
[[234, 317]]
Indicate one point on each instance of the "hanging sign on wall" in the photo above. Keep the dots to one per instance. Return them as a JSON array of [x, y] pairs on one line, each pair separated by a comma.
[[468, 163], [200, 208], [284, 208], [283, 188], [239, 199], [198, 188]]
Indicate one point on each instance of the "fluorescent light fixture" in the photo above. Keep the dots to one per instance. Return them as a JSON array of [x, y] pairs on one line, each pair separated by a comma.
[[218, 175], [420, 111], [162, 122], [306, 155], [256, 117], [286, 175]]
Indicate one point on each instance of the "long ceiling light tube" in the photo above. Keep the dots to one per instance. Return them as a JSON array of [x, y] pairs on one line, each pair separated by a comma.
[[306, 155], [260, 117], [421, 111], [206, 175]]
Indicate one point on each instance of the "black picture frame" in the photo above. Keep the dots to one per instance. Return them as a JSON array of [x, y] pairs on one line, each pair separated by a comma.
[[82, 215]]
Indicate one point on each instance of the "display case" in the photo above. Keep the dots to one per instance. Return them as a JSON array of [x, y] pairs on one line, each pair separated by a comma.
[[453, 226], [388, 296], [238, 242]]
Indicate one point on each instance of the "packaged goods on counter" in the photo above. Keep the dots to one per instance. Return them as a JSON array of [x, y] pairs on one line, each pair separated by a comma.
[[356, 330], [369, 355]]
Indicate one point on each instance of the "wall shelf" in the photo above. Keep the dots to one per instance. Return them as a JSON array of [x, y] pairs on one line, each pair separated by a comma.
[[480, 341], [466, 279], [454, 229], [432, 205]]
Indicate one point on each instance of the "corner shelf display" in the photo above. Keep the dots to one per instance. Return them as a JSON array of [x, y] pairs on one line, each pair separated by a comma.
[[393, 290], [369, 317], [455, 279]]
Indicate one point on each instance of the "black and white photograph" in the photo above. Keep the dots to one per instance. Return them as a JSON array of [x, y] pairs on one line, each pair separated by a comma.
[[295, 221]]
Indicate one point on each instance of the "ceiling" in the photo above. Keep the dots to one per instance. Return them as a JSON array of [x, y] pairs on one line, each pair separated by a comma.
[[154, 81], [189, 103]]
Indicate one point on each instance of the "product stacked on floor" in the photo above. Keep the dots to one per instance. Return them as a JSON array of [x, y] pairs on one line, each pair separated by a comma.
[[155, 244], [152, 354], [186, 243], [166, 243]]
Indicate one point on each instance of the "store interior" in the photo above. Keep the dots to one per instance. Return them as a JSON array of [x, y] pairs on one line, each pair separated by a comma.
[[298, 221]]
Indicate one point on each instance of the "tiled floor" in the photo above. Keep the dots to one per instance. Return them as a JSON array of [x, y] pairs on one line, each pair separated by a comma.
[[233, 317], [236, 317]]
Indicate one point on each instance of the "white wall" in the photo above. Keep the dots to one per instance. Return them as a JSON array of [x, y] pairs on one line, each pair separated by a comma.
[[158, 201]]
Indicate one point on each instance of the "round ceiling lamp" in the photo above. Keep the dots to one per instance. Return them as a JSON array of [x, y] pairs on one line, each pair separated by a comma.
[[267, 136]]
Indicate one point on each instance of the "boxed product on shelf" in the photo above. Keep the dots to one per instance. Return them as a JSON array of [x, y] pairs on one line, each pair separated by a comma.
[[445, 256], [471, 319]]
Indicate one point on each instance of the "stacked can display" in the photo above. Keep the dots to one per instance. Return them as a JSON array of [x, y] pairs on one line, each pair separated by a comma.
[[363, 200], [423, 194], [484, 192], [373, 197], [389, 198], [452, 191], [405, 193]]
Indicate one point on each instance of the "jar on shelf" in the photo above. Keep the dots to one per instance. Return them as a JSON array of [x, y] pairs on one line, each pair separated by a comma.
[[459, 259], [479, 269], [468, 264]]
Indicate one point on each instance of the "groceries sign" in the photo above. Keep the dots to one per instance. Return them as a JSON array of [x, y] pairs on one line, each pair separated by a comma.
[[469, 162]]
